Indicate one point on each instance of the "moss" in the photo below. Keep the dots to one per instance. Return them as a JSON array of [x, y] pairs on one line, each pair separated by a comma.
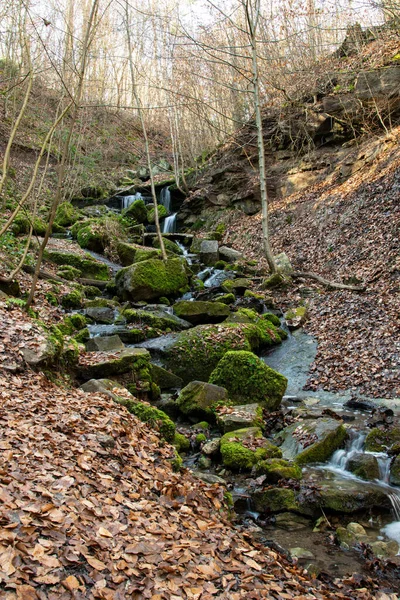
[[169, 245], [90, 291], [92, 238], [322, 450], [150, 279], [239, 285], [197, 311], [237, 451], [379, 440], [72, 323], [272, 319], [249, 312], [51, 298], [220, 264], [91, 268], [226, 298], [101, 303], [162, 213], [153, 416], [152, 319], [250, 294], [199, 399], [181, 443], [66, 214], [273, 281], [177, 463], [72, 300], [228, 498], [201, 425], [277, 468], [69, 273], [248, 379], [200, 439], [164, 300], [82, 336], [198, 284], [275, 500], [136, 212], [70, 353], [132, 253]]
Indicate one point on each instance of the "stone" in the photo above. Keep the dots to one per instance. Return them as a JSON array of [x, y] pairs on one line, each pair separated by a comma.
[[276, 469], [381, 440], [204, 463], [229, 254], [198, 312], [156, 316], [291, 522], [283, 263], [136, 211], [211, 448], [378, 83], [104, 344], [242, 449], [364, 466], [248, 380], [129, 254], [311, 441], [385, 549], [90, 267], [198, 398], [273, 500], [151, 279], [394, 476], [230, 418], [45, 353], [128, 360], [165, 379], [301, 553], [239, 286], [295, 317], [209, 252], [209, 478], [105, 386], [101, 314]]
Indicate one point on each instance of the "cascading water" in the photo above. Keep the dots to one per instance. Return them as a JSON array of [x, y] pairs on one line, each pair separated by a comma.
[[169, 225], [165, 198], [126, 201]]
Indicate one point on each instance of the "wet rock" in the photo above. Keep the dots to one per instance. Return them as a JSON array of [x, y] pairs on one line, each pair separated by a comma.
[[357, 404], [198, 312], [239, 417], [395, 471], [101, 314], [274, 500], [381, 440], [104, 344], [276, 469], [351, 535], [345, 496], [291, 522], [296, 317], [301, 553], [244, 448], [211, 448], [364, 466], [209, 478], [311, 441], [229, 254], [198, 398], [248, 379], [209, 254], [165, 379]]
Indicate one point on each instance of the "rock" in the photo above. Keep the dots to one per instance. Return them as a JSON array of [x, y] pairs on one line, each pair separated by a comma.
[[195, 353], [273, 281], [181, 442], [296, 317], [101, 314], [385, 549], [209, 478], [311, 441], [165, 379], [156, 316], [291, 522], [229, 254], [276, 469], [66, 214], [129, 254], [169, 245], [301, 553], [90, 267], [211, 448], [345, 496], [283, 263], [225, 299], [364, 466], [151, 279], [107, 441], [104, 344], [395, 471], [274, 500], [134, 361], [230, 418], [204, 463], [136, 211], [381, 440], [198, 398], [239, 286], [381, 83], [198, 312], [105, 386], [357, 530], [45, 353], [209, 252], [248, 379], [244, 448]]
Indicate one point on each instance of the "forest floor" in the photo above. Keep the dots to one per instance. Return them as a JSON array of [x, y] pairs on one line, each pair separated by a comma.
[[342, 230]]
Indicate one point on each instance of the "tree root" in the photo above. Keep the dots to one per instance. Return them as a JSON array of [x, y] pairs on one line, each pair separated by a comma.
[[326, 283]]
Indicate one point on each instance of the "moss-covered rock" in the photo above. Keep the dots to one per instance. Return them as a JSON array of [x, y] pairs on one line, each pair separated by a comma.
[[48, 350], [82, 336], [273, 281], [151, 279], [296, 317], [66, 214], [22, 224], [395, 471], [226, 298], [199, 399], [274, 500], [364, 466], [195, 353], [135, 361], [72, 300], [136, 212], [133, 253], [236, 285], [90, 268], [159, 319], [198, 312], [381, 440], [69, 273], [271, 318], [169, 245], [162, 213], [93, 237], [153, 416], [181, 442], [165, 379], [276, 469], [311, 441], [244, 448], [72, 323], [230, 418], [248, 379]]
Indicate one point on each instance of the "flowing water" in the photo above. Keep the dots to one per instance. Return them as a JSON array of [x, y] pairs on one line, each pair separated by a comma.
[[126, 201], [169, 225], [165, 198]]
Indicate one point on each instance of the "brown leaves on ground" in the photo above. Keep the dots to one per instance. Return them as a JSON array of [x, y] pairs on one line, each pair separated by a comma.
[[81, 519]]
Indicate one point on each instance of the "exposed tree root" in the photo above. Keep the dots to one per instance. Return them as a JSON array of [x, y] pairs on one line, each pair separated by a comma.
[[326, 283]]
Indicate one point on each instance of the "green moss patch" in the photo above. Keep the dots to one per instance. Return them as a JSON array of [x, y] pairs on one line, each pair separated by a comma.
[[151, 279]]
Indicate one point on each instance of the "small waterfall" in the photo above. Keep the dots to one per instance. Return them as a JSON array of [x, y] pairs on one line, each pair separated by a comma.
[[340, 459], [170, 224], [395, 500], [185, 253], [128, 200], [165, 198]]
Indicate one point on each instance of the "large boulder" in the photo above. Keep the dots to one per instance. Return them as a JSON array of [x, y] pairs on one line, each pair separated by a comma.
[[104, 344], [248, 379], [364, 466], [195, 353], [230, 418], [198, 312], [164, 379], [198, 399], [276, 469], [151, 279], [229, 254], [157, 317], [244, 448], [136, 211], [381, 440], [311, 441], [209, 252], [101, 314], [133, 253], [89, 267]]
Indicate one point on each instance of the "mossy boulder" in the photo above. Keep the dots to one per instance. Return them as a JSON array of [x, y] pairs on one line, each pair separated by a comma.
[[194, 354], [169, 245], [72, 300], [129, 360], [345, 496], [162, 213], [159, 319], [311, 441], [90, 267], [165, 379], [276, 469], [236, 285], [198, 312], [151, 279], [248, 379], [154, 417], [93, 237], [72, 323], [22, 224], [198, 400], [48, 349], [395, 471], [66, 214], [274, 319], [230, 418], [101, 314], [69, 273], [136, 212], [381, 440], [296, 317], [108, 343], [242, 449], [273, 281], [133, 253], [364, 466], [226, 298], [273, 500], [181, 442]]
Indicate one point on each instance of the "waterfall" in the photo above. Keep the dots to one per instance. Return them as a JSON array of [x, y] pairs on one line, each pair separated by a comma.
[[165, 198], [170, 224], [395, 500], [128, 200]]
